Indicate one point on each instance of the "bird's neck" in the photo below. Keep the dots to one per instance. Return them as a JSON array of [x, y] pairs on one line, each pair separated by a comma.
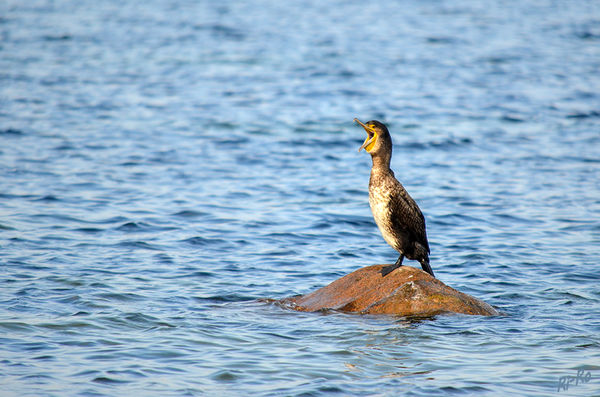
[[381, 162]]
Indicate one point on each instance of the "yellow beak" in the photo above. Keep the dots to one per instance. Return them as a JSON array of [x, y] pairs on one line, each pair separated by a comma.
[[371, 136]]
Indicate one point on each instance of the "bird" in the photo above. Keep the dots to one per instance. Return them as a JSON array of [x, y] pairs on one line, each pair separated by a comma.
[[396, 213]]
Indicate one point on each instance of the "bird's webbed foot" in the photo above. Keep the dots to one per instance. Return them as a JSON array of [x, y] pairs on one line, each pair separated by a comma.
[[390, 268]]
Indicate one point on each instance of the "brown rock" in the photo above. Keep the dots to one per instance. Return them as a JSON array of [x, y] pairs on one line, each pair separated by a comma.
[[407, 291]]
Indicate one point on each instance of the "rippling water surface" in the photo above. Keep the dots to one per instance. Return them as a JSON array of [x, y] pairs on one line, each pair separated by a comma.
[[165, 165]]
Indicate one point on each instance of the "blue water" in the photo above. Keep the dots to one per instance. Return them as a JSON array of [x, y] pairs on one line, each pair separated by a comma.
[[167, 165]]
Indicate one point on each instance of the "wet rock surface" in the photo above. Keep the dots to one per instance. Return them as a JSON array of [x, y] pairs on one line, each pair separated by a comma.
[[407, 291]]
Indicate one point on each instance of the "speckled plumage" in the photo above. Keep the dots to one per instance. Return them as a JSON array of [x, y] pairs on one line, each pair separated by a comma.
[[397, 215]]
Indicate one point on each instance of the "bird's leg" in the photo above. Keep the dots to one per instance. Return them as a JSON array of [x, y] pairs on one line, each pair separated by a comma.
[[399, 261], [388, 269]]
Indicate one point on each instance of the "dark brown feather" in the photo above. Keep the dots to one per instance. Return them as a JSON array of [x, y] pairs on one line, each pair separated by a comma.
[[406, 215]]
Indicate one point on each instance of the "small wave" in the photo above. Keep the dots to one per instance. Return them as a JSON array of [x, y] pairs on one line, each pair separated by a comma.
[[11, 131], [114, 219], [203, 241], [222, 31], [58, 37], [59, 217], [16, 196], [224, 298], [121, 297], [138, 244], [37, 378], [189, 214], [67, 325], [449, 143], [64, 146], [45, 357], [455, 219], [197, 274], [519, 219], [109, 381], [352, 220], [513, 118], [89, 230], [441, 40], [12, 326], [588, 32], [48, 198], [131, 226], [164, 258], [144, 319], [584, 115], [227, 375]]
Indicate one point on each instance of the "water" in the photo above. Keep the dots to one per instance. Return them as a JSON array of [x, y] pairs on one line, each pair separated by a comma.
[[167, 165]]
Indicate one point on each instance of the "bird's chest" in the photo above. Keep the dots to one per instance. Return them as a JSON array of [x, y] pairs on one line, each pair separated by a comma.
[[379, 200]]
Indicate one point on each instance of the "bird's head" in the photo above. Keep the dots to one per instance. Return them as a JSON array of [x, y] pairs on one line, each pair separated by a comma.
[[378, 137]]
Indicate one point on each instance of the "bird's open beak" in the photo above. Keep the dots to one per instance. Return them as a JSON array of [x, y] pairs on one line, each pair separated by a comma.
[[370, 136]]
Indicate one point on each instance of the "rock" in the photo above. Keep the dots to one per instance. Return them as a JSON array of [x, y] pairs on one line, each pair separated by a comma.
[[407, 291]]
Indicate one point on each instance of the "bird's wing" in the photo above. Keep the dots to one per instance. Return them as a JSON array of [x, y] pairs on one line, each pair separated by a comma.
[[407, 216]]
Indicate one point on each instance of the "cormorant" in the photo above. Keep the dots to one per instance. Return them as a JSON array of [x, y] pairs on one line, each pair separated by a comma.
[[396, 213]]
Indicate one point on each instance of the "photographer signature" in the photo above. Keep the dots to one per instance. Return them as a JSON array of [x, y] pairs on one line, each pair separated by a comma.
[[582, 377]]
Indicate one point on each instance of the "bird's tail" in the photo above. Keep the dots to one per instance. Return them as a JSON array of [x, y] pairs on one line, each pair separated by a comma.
[[426, 267]]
